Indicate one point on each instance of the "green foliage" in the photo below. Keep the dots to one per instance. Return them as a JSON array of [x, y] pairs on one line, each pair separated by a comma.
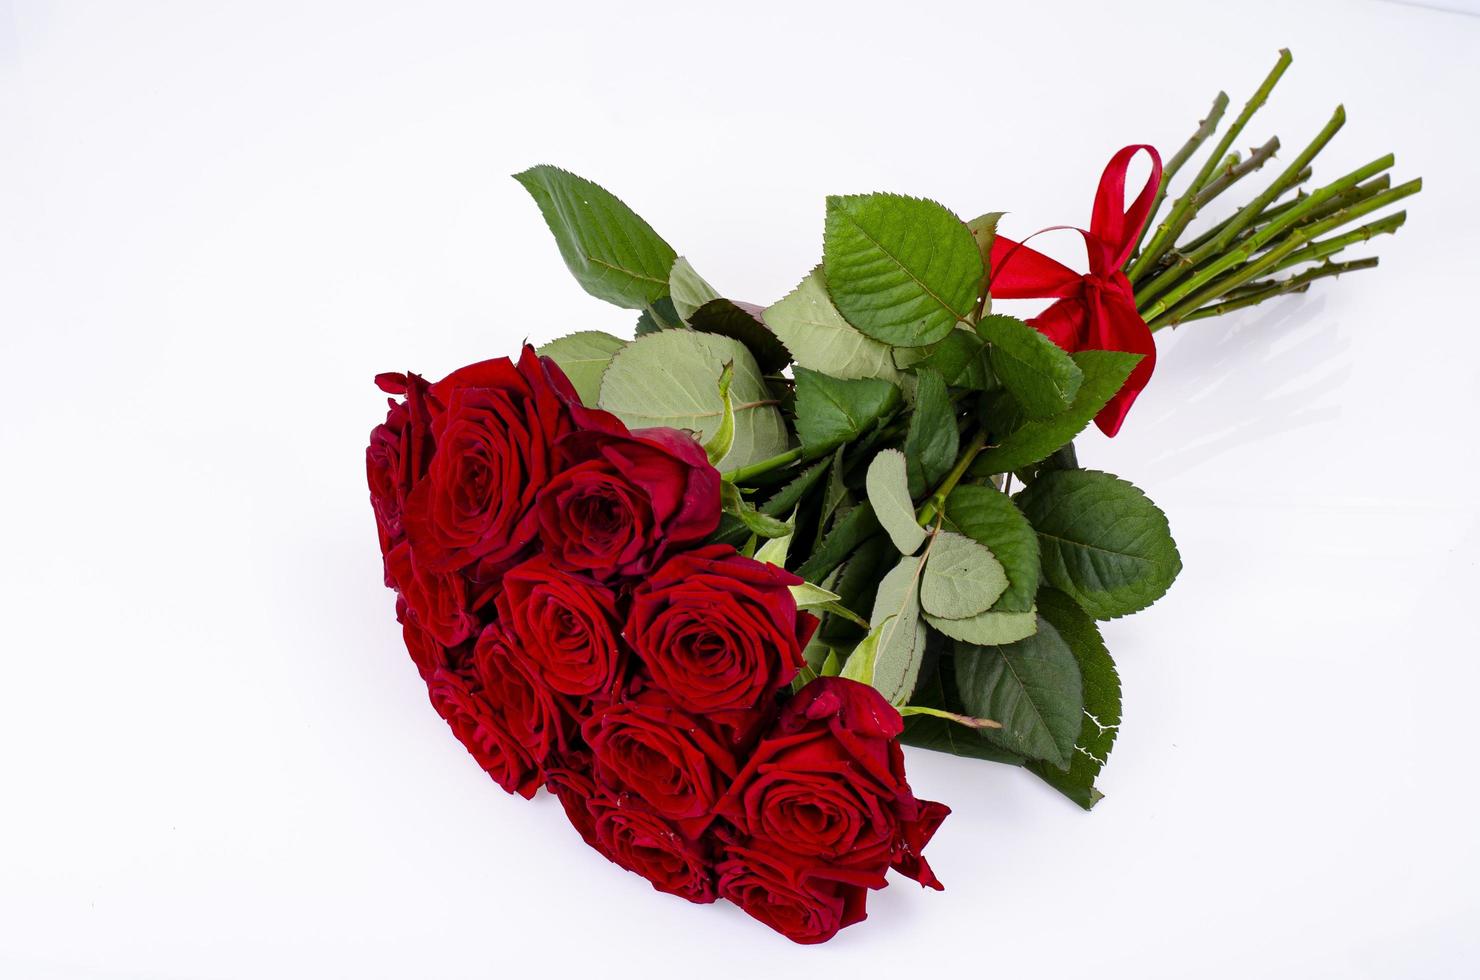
[[1102, 541], [889, 492], [988, 516], [1105, 372], [831, 411], [687, 289], [584, 357], [1101, 701], [1032, 687], [900, 269], [820, 339], [671, 378], [1041, 376], [614, 254], [962, 578], [759, 524], [901, 635], [742, 322], [990, 628], [931, 445]]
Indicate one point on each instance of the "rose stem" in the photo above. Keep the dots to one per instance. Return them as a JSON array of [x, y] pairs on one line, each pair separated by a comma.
[[1269, 290], [1205, 128], [937, 500]]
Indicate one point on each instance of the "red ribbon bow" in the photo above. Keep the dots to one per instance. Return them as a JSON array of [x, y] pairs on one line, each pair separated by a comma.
[[1097, 310]]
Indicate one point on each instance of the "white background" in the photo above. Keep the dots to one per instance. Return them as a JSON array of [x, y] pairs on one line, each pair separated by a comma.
[[218, 222]]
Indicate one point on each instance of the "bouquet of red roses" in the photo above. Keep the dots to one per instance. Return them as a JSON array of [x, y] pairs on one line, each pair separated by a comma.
[[702, 584]]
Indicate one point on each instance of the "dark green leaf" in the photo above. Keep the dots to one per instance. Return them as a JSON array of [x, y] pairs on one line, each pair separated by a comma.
[[763, 525], [1038, 372], [1104, 374], [614, 254], [1101, 541], [960, 358], [831, 411], [900, 269], [1032, 687], [784, 500], [1101, 701], [856, 527], [742, 322], [932, 442], [658, 316], [940, 735]]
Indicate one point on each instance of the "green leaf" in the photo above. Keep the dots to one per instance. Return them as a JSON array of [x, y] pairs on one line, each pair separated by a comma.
[[1103, 542], [742, 322], [1104, 374], [687, 289], [1101, 701], [889, 492], [614, 254], [984, 231], [987, 629], [584, 356], [659, 315], [773, 552], [900, 269], [940, 735], [719, 444], [785, 500], [1032, 687], [763, 525], [901, 644], [988, 516], [1041, 376], [856, 527], [831, 411], [960, 358], [671, 378], [820, 339], [931, 444], [962, 578], [809, 596], [860, 663]]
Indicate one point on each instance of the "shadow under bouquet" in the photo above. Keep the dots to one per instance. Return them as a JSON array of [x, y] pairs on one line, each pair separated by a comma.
[[702, 584]]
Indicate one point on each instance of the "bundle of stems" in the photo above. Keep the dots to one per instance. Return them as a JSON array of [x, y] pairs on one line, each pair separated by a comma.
[[1236, 263]]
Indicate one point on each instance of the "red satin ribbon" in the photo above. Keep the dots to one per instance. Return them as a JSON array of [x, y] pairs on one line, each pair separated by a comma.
[[1097, 310]]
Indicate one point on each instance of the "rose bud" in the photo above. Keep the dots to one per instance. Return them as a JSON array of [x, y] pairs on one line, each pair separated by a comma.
[[623, 501], [482, 731], [633, 837], [649, 747], [805, 903], [828, 784], [565, 625], [718, 631]]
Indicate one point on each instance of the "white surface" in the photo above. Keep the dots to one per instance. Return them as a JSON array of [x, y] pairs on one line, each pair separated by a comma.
[[218, 222]]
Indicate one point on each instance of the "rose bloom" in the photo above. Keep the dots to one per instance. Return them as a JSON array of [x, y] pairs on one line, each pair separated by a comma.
[[668, 758], [827, 785], [635, 838], [483, 732], [540, 719], [571, 783], [425, 651], [718, 631], [564, 625], [495, 438], [398, 453], [437, 602], [805, 903], [624, 500]]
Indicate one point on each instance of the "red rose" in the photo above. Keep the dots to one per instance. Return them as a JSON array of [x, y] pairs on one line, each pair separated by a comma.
[[495, 438], [535, 715], [718, 631], [565, 626], [802, 903], [482, 731], [437, 602], [573, 786], [668, 758], [635, 838], [425, 651], [398, 453], [828, 786], [623, 501]]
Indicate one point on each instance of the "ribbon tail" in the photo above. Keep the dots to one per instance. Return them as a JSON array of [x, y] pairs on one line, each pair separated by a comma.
[[1117, 325]]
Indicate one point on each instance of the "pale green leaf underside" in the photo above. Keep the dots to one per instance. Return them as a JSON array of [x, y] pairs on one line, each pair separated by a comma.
[[987, 515], [687, 289], [889, 493], [671, 378], [900, 269], [962, 578], [819, 338], [1103, 542], [987, 628], [613, 253], [896, 614], [584, 357], [1032, 687]]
